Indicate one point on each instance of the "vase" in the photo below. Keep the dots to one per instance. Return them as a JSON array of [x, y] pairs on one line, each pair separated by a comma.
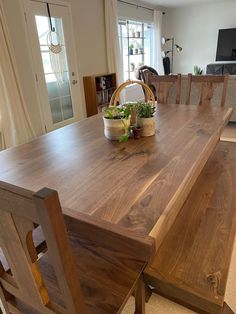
[[137, 132], [148, 125], [115, 128]]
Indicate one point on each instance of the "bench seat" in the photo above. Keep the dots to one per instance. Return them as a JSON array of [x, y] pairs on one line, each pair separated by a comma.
[[191, 266]]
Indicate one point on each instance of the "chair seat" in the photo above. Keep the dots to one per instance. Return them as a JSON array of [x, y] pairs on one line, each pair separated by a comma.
[[107, 277]]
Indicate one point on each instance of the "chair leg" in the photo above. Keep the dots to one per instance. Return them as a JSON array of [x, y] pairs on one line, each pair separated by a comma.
[[140, 297], [227, 309], [148, 293]]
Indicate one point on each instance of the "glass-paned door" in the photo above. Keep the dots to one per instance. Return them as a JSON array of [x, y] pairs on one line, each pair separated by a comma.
[[56, 72]]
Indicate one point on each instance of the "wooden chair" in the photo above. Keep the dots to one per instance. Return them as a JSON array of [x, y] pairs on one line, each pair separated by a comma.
[[162, 84], [71, 274], [206, 85]]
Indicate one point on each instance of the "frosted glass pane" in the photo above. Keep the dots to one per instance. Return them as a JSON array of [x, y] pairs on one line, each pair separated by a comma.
[[50, 78], [46, 63], [65, 89], [57, 24], [67, 107], [53, 90], [56, 110], [55, 69], [43, 28]]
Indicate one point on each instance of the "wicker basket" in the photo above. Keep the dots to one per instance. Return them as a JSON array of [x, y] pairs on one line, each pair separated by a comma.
[[116, 95], [114, 129]]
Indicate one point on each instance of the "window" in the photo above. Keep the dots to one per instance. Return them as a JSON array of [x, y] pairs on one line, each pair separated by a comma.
[[136, 41]]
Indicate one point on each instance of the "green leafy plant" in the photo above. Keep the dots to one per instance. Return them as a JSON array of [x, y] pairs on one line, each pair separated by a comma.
[[197, 70], [115, 112], [145, 110]]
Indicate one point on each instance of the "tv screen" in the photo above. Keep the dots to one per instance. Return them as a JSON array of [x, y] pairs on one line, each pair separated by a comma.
[[226, 49]]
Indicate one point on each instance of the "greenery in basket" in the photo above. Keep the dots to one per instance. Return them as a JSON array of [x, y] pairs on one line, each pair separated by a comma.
[[145, 110], [115, 112], [197, 70]]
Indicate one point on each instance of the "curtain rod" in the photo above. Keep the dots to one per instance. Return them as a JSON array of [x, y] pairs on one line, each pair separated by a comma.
[[138, 6]]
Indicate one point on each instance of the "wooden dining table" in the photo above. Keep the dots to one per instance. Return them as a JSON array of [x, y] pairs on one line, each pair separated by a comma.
[[135, 188]]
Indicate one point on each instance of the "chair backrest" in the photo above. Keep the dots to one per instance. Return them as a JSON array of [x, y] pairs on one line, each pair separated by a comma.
[[207, 85], [162, 84], [20, 211], [139, 72]]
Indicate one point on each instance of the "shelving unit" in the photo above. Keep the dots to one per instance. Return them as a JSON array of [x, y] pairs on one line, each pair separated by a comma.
[[136, 40], [98, 90], [133, 40]]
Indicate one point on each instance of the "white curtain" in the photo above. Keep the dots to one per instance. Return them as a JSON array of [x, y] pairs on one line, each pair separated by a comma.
[[112, 40], [158, 60], [15, 126]]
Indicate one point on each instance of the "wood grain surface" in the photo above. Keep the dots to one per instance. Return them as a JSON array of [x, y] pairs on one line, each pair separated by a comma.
[[138, 186], [192, 264]]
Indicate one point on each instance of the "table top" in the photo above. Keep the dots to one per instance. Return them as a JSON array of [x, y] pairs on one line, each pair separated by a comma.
[[139, 186]]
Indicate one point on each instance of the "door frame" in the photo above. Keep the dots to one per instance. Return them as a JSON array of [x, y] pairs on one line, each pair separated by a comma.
[[43, 113]]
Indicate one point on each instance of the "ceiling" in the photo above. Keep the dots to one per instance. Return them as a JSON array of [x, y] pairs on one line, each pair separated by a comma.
[[175, 3]]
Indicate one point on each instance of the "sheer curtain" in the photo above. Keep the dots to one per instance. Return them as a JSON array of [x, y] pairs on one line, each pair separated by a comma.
[[158, 60], [112, 39], [15, 126]]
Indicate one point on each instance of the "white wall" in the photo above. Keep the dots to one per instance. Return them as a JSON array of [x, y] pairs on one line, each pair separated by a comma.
[[195, 28], [89, 31]]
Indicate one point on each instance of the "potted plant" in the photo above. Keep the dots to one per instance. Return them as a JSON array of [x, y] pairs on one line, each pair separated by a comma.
[[146, 119], [117, 122], [137, 132], [131, 49], [197, 70]]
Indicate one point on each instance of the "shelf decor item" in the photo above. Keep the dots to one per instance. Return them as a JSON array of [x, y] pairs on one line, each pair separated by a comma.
[[117, 119], [131, 49]]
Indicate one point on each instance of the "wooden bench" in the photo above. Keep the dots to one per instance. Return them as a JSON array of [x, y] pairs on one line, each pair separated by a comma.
[[191, 266]]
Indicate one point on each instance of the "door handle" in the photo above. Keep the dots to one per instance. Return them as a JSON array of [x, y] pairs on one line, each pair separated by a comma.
[[74, 82]]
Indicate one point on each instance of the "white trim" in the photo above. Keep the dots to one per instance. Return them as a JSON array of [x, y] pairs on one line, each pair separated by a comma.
[[23, 9]]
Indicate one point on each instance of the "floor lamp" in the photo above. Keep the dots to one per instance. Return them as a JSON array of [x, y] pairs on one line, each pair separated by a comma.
[[173, 46]]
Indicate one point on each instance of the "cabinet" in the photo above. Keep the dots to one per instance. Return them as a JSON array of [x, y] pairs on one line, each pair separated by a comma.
[[98, 90]]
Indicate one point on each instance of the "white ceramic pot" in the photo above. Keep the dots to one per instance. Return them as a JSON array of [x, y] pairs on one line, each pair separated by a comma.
[[148, 125], [115, 128]]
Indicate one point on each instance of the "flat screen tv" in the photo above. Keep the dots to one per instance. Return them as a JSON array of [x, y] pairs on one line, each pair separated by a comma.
[[226, 48]]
